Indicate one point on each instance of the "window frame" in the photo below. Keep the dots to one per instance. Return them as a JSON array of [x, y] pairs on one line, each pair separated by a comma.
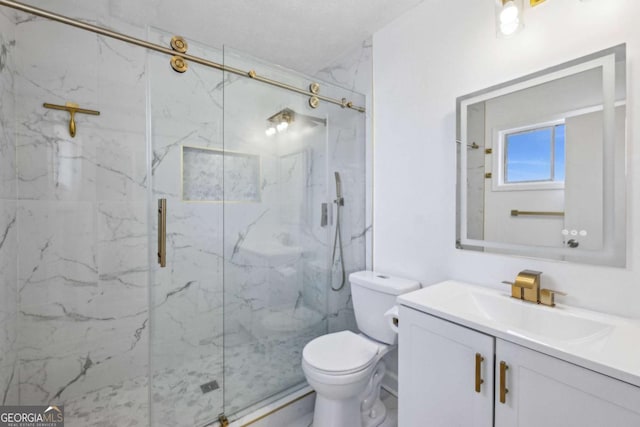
[[500, 159]]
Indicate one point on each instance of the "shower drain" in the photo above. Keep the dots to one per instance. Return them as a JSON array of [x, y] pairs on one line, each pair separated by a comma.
[[210, 386]]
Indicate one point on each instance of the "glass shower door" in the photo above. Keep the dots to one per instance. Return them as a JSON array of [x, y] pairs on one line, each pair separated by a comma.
[[186, 294], [276, 245]]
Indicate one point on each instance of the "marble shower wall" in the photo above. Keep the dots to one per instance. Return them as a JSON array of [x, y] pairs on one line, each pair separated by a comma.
[[80, 207], [475, 171], [276, 251], [350, 153], [8, 217], [82, 221]]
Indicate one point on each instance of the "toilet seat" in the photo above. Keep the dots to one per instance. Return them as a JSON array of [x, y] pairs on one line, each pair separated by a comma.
[[341, 353]]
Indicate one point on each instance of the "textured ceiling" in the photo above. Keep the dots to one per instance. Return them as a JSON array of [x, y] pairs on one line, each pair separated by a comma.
[[305, 35], [301, 34]]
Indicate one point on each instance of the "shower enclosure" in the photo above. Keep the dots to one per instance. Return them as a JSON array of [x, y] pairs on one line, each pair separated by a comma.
[[248, 255], [90, 319]]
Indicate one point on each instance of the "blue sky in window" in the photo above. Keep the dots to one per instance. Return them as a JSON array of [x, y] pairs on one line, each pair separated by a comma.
[[529, 155]]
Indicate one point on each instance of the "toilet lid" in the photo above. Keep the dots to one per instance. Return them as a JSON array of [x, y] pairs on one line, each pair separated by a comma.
[[340, 352]]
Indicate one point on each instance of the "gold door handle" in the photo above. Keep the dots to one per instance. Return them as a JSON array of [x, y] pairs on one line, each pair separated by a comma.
[[479, 380], [503, 382], [162, 232]]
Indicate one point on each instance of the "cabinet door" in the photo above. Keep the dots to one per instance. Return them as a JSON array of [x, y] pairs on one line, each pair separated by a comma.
[[549, 392], [437, 373]]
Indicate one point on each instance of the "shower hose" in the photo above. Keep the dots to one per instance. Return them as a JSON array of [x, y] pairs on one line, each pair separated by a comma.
[[337, 243]]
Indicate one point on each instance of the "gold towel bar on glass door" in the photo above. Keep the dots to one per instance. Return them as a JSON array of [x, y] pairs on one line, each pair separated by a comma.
[[516, 212], [72, 109]]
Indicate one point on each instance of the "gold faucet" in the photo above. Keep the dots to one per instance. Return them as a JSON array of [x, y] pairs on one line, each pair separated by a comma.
[[547, 297], [527, 288]]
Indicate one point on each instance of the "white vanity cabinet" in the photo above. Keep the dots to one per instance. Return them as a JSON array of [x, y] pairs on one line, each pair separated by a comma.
[[545, 391], [437, 373], [437, 382]]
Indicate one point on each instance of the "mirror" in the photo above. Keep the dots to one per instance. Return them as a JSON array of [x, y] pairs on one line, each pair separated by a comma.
[[541, 163]]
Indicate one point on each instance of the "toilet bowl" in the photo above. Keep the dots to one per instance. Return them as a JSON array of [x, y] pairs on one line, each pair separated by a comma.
[[346, 369], [341, 368]]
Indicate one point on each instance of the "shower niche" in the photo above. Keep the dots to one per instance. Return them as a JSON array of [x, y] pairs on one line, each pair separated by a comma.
[[203, 181]]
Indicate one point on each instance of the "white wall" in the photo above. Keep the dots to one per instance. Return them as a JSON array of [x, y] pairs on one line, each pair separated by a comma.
[[444, 49]]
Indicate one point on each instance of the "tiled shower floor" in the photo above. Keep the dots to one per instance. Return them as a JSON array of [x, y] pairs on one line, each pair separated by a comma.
[[176, 397], [126, 406], [177, 400]]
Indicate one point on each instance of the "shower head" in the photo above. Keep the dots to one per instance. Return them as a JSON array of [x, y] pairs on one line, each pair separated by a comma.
[[287, 115]]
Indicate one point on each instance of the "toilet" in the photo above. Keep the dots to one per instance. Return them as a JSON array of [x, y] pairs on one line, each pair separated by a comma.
[[346, 369]]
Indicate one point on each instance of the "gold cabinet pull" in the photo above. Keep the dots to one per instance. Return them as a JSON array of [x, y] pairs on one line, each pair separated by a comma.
[[503, 382], [479, 380], [162, 232]]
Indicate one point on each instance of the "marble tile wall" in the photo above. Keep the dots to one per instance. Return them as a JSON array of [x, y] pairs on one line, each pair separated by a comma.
[[275, 251], [8, 217], [350, 143], [82, 213], [280, 261], [475, 172], [82, 220]]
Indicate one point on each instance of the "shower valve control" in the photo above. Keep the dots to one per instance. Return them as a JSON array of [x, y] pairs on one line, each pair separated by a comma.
[[324, 215]]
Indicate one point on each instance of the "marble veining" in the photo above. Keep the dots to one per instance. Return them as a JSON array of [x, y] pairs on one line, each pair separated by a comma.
[[8, 217], [81, 213], [232, 288], [350, 148], [475, 172]]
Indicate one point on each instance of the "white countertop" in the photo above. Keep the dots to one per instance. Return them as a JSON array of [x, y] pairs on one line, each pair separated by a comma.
[[603, 343]]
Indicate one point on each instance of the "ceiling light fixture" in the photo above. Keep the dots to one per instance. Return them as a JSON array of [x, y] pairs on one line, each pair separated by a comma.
[[509, 16]]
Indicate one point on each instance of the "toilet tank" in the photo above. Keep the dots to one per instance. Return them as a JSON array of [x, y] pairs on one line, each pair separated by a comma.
[[373, 295]]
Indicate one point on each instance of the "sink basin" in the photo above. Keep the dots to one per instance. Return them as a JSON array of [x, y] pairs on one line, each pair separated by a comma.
[[517, 317], [536, 321]]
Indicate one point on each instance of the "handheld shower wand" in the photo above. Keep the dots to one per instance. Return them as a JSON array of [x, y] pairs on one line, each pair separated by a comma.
[[339, 199], [337, 240]]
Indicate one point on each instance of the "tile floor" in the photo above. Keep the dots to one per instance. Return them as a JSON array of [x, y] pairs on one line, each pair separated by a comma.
[[306, 420]]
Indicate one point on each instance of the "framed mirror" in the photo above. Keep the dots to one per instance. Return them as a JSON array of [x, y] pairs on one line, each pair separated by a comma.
[[542, 165]]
